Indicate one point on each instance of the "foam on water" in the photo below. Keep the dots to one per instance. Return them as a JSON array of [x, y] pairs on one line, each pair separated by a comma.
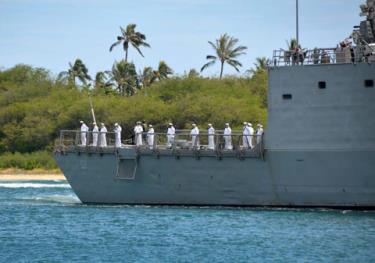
[[55, 198], [33, 185]]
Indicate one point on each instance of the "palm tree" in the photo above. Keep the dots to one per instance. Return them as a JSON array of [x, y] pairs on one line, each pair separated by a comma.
[[291, 44], [124, 77], [77, 70], [193, 73], [130, 36], [147, 77], [226, 52], [163, 71], [261, 64], [102, 82]]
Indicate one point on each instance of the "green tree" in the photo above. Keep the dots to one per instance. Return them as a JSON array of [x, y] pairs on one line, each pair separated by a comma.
[[163, 71], [193, 73], [77, 70], [124, 77], [226, 52], [261, 64], [147, 77], [291, 44], [102, 84], [130, 36]]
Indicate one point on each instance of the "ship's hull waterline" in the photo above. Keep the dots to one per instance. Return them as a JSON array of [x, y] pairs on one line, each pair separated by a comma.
[[301, 178]]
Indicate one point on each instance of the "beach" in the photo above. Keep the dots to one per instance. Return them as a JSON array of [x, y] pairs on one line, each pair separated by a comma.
[[34, 175]]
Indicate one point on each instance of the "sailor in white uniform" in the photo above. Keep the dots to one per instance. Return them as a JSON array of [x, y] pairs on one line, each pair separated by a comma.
[[95, 134], [117, 131], [170, 135], [245, 136], [138, 130], [260, 132], [150, 137], [84, 130], [228, 137], [251, 134], [211, 137], [103, 135], [194, 133]]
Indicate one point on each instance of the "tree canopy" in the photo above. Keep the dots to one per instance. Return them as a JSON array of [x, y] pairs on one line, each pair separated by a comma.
[[130, 37], [226, 52]]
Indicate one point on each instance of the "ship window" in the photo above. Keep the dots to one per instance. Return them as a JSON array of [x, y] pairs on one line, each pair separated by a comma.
[[287, 96], [369, 83], [322, 84]]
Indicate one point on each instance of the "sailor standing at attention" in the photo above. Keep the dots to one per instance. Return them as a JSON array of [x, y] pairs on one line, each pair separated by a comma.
[[117, 131], [251, 134], [194, 136], [260, 132], [150, 137], [211, 137], [228, 137], [84, 130], [95, 134], [103, 135], [170, 135], [138, 130], [245, 136]]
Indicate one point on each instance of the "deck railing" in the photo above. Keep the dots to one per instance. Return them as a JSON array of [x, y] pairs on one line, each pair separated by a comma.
[[317, 56], [156, 142]]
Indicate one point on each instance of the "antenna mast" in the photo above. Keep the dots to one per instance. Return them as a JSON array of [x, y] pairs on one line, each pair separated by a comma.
[[297, 23]]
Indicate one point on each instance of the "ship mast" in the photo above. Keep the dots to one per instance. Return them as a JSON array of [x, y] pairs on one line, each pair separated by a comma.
[[297, 23]]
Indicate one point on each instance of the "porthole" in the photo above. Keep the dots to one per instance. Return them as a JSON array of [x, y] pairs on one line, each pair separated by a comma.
[[369, 83], [287, 96], [322, 84]]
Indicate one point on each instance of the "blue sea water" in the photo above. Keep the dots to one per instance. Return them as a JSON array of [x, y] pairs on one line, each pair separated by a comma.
[[45, 222]]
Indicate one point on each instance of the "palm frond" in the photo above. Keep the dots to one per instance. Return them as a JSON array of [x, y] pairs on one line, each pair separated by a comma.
[[139, 50], [115, 44], [210, 57], [208, 65]]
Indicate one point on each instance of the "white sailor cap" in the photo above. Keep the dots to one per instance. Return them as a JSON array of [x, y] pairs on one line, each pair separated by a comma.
[[210, 124], [116, 124], [102, 124], [249, 124], [81, 122], [170, 124], [194, 125], [150, 125], [227, 124], [244, 123]]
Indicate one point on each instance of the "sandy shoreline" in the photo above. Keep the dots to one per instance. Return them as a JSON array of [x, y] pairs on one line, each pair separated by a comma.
[[31, 177]]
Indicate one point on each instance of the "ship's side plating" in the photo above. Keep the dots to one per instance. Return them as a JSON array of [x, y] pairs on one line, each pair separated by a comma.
[[320, 151], [321, 139]]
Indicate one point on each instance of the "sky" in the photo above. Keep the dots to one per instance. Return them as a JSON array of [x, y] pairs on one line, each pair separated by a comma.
[[52, 33]]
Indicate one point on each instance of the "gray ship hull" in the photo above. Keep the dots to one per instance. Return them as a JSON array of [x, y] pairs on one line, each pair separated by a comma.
[[320, 152], [335, 178]]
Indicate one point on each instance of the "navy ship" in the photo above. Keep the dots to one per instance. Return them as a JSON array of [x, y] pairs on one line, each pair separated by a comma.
[[318, 149]]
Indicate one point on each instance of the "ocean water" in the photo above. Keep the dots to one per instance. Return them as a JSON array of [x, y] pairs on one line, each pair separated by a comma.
[[45, 222]]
